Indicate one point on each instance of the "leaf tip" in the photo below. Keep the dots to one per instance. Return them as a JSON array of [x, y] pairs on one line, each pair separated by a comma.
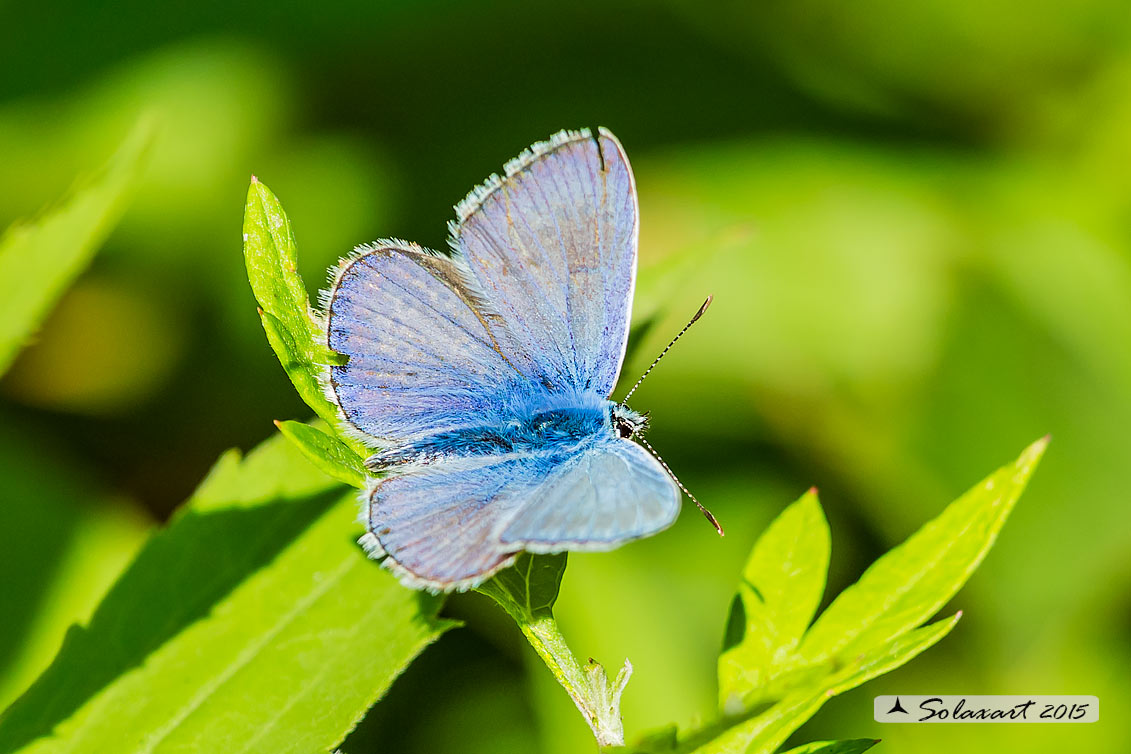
[[1032, 454], [260, 199], [278, 424]]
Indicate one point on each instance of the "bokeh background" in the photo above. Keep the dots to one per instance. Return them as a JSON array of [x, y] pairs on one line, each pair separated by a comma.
[[915, 219]]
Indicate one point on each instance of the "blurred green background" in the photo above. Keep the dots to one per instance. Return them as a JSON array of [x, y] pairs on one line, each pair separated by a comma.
[[915, 219]]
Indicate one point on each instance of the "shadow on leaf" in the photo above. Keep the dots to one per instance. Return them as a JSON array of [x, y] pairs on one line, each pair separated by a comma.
[[180, 574]]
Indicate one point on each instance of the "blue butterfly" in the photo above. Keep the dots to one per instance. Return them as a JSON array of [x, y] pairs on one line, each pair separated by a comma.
[[485, 375]]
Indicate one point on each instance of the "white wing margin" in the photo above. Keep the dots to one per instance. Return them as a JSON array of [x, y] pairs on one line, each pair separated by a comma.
[[552, 245]]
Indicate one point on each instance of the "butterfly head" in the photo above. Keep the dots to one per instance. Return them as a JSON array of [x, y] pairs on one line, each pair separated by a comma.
[[628, 423]]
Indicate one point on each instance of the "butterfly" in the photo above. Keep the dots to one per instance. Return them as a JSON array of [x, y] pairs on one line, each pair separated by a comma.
[[484, 375]]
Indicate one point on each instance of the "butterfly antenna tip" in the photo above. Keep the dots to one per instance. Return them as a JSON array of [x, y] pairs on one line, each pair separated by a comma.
[[702, 508], [702, 309]]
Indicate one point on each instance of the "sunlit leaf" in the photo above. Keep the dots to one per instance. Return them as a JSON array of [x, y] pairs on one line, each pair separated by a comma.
[[296, 362], [764, 733], [781, 589], [264, 605], [878, 619], [326, 452], [271, 257], [890, 655], [909, 584], [40, 258]]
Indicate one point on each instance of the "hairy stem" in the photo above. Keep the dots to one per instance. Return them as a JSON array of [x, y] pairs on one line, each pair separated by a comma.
[[588, 686], [527, 592]]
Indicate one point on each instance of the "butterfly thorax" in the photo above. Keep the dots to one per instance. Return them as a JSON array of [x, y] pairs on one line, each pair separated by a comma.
[[538, 430], [626, 422]]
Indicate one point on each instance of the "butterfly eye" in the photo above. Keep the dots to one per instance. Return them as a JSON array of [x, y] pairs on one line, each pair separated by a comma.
[[625, 428]]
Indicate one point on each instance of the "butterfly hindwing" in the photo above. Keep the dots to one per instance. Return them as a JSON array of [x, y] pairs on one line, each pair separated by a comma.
[[453, 523], [552, 245], [439, 524], [610, 493]]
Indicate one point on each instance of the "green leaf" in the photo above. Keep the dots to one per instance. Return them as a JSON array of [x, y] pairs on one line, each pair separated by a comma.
[[39, 259], [263, 604], [890, 655], [271, 256], [326, 452], [272, 471], [764, 733], [852, 746], [77, 536], [781, 589], [299, 366], [874, 625], [293, 331], [528, 589], [909, 584]]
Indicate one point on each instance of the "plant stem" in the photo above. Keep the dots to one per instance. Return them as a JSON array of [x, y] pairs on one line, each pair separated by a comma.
[[587, 686], [548, 642], [527, 592]]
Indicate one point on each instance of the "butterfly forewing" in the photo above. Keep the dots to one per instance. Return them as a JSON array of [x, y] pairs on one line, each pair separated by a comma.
[[552, 245], [421, 358]]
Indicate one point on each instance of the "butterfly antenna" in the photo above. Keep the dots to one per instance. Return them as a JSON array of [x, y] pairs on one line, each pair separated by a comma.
[[652, 366], [702, 509]]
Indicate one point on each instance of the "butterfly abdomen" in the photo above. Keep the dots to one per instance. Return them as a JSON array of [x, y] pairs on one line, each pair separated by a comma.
[[556, 430]]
